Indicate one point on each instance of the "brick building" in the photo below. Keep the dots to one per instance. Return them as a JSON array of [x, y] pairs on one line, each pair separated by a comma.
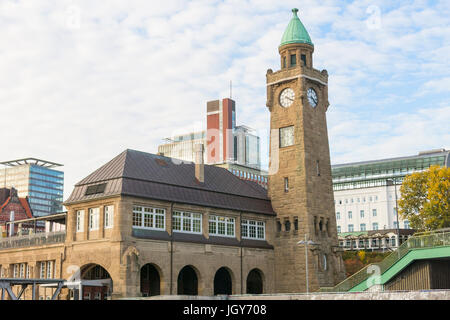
[[13, 208]]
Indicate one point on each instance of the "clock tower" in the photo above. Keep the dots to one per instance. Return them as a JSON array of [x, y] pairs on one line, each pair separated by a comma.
[[300, 185]]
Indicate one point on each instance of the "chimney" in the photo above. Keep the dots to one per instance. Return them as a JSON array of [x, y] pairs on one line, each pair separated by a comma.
[[199, 165]]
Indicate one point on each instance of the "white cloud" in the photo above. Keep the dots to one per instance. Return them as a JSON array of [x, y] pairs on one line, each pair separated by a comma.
[[79, 89]]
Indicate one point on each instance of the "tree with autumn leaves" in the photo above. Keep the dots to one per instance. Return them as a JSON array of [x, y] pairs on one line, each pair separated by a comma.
[[425, 199]]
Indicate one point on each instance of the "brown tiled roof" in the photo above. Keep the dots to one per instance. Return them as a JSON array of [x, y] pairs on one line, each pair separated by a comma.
[[147, 175]]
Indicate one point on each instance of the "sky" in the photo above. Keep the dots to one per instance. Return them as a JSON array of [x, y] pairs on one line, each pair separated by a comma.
[[81, 80]]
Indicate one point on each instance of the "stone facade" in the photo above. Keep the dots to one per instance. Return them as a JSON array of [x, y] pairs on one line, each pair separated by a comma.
[[305, 206]]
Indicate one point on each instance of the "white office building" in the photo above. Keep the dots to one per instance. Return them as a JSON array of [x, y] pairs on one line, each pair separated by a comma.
[[365, 192]]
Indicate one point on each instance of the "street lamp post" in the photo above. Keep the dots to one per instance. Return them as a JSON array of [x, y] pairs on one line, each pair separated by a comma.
[[306, 242], [394, 183]]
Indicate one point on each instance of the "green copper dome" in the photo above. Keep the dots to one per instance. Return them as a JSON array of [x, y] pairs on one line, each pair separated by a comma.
[[295, 31]]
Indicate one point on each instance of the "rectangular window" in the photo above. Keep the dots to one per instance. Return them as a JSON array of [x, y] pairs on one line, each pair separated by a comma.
[[27, 272], [221, 226], [338, 215], [80, 220], [16, 271], [293, 60], [395, 224], [149, 218], [251, 229], [375, 226], [22, 270], [94, 214], [361, 213], [286, 184], [363, 227], [49, 269], [42, 270], [406, 224], [286, 136], [374, 212], [339, 229], [303, 57], [109, 216], [350, 228], [187, 222], [349, 214]]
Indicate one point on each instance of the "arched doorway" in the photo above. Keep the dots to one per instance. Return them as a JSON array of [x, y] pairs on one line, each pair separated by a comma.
[[255, 282], [96, 282], [222, 282], [187, 281], [150, 281]]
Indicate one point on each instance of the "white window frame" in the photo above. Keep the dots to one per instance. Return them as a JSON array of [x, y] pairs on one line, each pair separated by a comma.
[[189, 217], [80, 221], [259, 225], [27, 271], [22, 270], [227, 221], [374, 212], [149, 213], [94, 215], [375, 224], [353, 228], [42, 270], [108, 216], [49, 271], [15, 270]]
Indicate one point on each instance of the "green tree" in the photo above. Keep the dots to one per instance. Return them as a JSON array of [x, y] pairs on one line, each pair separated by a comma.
[[425, 199]]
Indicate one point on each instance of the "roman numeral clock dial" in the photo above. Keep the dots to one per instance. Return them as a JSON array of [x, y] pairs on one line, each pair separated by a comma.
[[287, 97]]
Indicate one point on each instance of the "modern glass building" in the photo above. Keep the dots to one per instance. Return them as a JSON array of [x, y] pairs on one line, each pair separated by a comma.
[[38, 180], [365, 193]]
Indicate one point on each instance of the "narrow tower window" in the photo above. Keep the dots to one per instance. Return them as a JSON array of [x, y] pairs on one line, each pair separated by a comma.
[[284, 62], [287, 225], [286, 184], [317, 168], [293, 60], [295, 223], [303, 57]]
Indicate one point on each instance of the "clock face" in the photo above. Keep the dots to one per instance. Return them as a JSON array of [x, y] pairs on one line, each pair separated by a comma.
[[312, 97], [287, 97]]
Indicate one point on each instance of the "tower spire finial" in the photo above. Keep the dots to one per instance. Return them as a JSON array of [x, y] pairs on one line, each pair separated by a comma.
[[295, 10]]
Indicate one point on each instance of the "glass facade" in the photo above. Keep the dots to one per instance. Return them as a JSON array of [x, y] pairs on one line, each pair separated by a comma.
[[374, 173], [43, 186]]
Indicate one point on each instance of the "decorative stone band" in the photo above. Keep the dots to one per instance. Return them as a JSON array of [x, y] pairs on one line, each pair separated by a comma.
[[296, 77]]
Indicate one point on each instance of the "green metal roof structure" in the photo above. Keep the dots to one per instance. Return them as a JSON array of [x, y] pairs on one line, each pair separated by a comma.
[[295, 32], [426, 246]]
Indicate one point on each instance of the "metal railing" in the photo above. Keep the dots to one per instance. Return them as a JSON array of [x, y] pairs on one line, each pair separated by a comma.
[[437, 239], [35, 239]]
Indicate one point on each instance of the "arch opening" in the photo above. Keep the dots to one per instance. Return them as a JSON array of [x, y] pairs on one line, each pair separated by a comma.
[[96, 282], [222, 282], [150, 281], [255, 282], [187, 281]]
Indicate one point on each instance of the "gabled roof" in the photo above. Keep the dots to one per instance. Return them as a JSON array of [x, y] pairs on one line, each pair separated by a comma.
[[147, 175], [295, 31], [23, 202]]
